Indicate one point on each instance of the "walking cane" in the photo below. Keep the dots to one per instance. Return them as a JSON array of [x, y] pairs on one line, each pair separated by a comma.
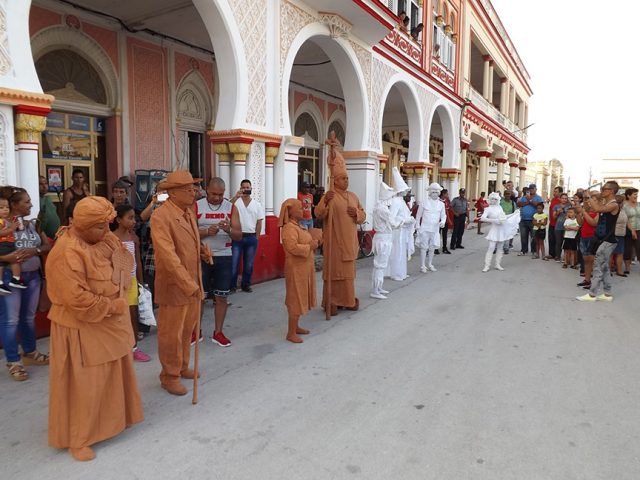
[[328, 248]]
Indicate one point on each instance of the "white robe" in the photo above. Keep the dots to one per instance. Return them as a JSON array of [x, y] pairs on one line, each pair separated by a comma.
[[503, 227], [431, 214], [402, 239]]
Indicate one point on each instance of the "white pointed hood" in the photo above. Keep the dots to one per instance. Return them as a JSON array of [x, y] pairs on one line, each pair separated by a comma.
[[386, 192], [434, 187], [399, 185]]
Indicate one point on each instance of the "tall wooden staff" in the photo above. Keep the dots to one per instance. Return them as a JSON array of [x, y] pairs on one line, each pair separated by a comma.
[[207, 256], [332, 141]]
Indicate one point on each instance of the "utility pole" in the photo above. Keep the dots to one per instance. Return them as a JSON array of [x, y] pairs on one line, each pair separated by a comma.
[[589, 176]]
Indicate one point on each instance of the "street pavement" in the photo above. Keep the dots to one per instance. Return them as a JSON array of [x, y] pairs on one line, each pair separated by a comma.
[[458, 375]]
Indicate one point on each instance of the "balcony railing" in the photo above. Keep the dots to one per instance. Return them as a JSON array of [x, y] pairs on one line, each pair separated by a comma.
[[483, 104], [443, 74], [405, 45]]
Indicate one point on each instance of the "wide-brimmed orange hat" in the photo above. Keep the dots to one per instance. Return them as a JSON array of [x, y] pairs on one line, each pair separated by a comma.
[[177, 179]]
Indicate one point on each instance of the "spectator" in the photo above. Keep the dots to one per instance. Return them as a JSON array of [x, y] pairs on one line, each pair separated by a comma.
[[120, 193], [460, 208], [219, 226], [552, 222], [306, 198], [588, 219], [416, 31], [559, 214], [77, 191], [621, 229], [508, 185], [124, 222], [508, 205], [444, 198], [527, 204], [251, 216], [7, 246], [603, 243], [569, 244], [48, 220], [632, 237], [540, 220], [19, 312], [317, 196], [481, 204], [404, 26]]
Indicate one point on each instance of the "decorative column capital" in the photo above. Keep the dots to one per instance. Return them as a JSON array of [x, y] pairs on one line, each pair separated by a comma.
[[522, 168], [513, 164], [383, 160], [30, 122], [486, 58], [464, 145], [240, 150], [271, 151], [503, 80], [484, 154], [501, 160]]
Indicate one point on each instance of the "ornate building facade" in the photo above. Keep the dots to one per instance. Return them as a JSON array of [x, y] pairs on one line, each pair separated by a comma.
[[252, 88]]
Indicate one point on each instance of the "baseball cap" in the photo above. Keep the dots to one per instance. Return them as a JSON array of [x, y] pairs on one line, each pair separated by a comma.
[[532, 185], [461, 190]]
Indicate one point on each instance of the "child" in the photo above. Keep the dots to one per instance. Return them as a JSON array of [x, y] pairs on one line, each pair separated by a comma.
[[124, 223], [7, 246], [540, 220], [569, 245]]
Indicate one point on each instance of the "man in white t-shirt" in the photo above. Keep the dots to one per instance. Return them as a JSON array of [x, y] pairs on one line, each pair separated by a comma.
[[251, 216], [218, 225]]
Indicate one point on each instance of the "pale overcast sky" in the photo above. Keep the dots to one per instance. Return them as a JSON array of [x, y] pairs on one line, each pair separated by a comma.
[[582, 59]]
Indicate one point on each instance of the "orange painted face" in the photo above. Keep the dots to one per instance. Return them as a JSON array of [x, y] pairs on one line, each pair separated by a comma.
[[95, 233], [295, 211], [341, 182], [183, 197]]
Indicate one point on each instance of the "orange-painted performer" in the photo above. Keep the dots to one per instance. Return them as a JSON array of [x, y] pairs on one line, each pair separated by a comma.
[[341, 212], [93, 392], [178, 281], [299, 266]]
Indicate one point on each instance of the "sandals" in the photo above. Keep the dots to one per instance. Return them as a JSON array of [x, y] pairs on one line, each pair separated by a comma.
[[621, 274], [35, 358], [575, 267], [17, 371], [565, 266]]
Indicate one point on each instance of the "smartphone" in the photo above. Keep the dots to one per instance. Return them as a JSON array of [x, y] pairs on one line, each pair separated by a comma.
[[162, 197]]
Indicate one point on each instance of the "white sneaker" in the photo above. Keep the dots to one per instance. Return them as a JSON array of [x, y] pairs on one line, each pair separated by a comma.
[[379, 296], [586, 298], [485, 269], [604, 298], [499, 267], [432, 268], [384, 292], [423, 269]]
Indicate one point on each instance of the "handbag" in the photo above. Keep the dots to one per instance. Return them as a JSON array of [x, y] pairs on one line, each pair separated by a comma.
[[145, 307]]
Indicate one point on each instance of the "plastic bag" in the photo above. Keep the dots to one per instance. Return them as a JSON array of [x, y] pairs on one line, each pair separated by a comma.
[[145, 307]]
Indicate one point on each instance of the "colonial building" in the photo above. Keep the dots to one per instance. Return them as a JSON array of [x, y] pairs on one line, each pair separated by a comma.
[[252, 88], [625, 171]]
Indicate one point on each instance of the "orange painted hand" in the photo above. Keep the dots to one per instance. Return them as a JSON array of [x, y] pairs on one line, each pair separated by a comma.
[[118, 306], [329, 196], [352, 212]]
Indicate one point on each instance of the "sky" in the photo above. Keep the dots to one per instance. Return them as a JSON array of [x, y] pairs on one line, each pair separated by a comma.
[[582, 59]]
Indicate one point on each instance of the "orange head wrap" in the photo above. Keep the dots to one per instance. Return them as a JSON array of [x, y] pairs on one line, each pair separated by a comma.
[[284, 210], [92, 210]]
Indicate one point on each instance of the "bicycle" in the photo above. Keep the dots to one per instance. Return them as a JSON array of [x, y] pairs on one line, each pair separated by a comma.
[[365, 240]]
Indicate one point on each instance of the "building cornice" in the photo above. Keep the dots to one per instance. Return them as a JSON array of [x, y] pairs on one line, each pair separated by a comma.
[[9, 96]]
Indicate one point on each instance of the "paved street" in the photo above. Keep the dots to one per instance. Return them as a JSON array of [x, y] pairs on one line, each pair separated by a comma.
[[459, 375]]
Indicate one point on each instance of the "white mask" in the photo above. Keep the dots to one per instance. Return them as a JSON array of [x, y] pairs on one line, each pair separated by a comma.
[[433, 195]]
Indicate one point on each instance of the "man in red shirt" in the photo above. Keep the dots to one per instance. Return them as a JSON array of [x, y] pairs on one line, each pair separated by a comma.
[[305, 197], [481, 204], [557, 193]]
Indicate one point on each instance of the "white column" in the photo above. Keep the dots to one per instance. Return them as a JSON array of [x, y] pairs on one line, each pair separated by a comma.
[[512, 103], [419, 180], [504, 96], [29, 124], [490, 88], [463, 164], [223, 158], [500, 173], [523, 176], [363, 178], [271, 151], [240, 150], [485, 77], [285, 171], [513, 172], [483, 176]]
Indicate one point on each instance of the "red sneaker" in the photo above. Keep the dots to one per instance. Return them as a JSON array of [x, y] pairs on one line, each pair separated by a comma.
[[193, 338], [220, 339]]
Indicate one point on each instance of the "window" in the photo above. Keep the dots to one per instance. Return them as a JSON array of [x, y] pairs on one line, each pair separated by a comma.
[[436, 6], [444, 50], [452, 22], [402, 7]]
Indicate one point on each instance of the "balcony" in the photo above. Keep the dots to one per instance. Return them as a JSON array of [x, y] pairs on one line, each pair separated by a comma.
[[405, 46], [369, 20], [492, 112], [443, 74]]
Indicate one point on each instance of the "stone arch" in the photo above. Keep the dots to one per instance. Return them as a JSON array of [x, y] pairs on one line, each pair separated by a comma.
[[310, 108], [414, 117], [194, 104], [450, 148], [231, 65], [64, 38], [349, 71]]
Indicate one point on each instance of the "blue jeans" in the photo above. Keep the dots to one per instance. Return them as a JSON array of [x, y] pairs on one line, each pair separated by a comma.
[[306, 223], [18, 316], [245, 248], [526, 230]]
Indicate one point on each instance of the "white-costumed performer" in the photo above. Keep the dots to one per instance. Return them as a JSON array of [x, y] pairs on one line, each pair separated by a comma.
[[402, 235], [383, 225], [503, 228], [431, 217]]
